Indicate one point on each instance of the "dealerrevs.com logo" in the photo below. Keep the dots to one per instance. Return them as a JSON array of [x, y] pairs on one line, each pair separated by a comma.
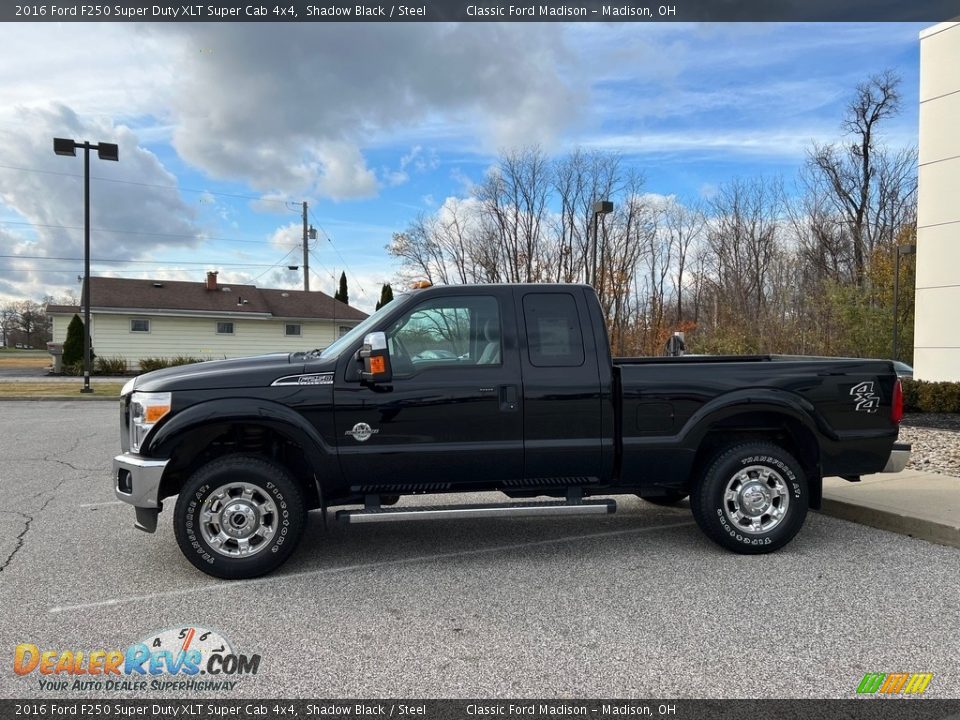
[[894, 683], [184, 659]]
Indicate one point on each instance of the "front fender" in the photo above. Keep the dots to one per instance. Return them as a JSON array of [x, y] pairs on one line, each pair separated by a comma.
[[161, 442]]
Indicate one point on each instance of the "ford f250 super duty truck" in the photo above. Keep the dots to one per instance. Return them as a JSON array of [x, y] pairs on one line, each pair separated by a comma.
[[493, 387]]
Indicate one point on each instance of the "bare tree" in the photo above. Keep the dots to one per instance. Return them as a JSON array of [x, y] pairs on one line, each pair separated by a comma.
[[8, 322], [30, 319], [514, 197], [848, 172], [685, 226], [419, 252]]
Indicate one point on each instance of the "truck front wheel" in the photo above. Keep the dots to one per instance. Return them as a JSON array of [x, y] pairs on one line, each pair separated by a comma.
[[239, 516], [752, 498]]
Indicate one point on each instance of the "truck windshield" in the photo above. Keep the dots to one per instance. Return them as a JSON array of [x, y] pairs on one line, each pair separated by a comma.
[[360, 330]]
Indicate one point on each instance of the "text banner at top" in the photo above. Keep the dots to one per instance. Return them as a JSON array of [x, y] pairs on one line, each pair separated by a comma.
[[929, 11]]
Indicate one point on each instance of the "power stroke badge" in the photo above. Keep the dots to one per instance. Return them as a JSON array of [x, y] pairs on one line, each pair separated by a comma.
[[362, 432]]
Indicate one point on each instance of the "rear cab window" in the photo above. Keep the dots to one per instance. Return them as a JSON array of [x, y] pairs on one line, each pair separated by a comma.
[[553, 330]]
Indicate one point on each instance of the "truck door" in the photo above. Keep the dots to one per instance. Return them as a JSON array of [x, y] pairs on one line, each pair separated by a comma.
[[452, 415], [562, 402]]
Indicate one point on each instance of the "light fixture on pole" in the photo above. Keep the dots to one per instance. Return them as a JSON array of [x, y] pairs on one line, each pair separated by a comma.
[[901, 251], [600, 207], [105, 151]]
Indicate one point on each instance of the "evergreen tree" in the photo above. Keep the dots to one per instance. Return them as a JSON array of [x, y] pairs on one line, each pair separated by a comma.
[[386, 295], [73, 345], [342, 294]]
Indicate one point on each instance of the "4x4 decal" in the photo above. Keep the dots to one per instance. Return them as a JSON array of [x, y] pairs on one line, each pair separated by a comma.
[[865, 398]]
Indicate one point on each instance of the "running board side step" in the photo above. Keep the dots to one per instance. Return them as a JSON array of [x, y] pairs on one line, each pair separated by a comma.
[[450, 512]]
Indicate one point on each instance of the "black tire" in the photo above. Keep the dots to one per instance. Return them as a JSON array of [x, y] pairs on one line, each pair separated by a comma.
[[767, 465], [271, 487], [389, 499], [667, 500]]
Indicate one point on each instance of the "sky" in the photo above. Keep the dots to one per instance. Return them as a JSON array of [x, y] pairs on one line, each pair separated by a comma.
[[224, 129]]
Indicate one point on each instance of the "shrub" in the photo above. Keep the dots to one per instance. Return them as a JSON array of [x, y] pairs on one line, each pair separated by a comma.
[[911, 399], [151, 364], [110, 366], [184, 360], [931, 397], [73, 345], [158, 363]]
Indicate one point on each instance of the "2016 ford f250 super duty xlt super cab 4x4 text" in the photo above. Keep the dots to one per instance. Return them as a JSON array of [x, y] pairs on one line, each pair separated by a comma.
[[493, 387]]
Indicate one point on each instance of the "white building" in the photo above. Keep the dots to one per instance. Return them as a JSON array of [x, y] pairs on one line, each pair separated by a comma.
[[136, 319], [936, 353]]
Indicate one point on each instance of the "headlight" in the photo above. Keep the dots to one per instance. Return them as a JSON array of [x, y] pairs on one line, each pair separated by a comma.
[[146, 410]]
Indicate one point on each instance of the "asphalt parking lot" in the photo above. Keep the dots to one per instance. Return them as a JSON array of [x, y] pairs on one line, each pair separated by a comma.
[[637, 604]]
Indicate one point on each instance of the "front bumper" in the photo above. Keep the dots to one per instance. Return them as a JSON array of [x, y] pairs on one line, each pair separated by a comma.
[[136, 480], [899, 457]]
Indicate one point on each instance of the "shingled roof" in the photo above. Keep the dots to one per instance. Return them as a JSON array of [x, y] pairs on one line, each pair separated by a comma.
[[148, 296]]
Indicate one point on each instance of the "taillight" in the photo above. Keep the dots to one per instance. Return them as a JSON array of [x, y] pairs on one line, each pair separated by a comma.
[[896, 408]]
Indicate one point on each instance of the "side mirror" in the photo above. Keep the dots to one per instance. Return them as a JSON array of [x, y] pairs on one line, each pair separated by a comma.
[[375, 356]]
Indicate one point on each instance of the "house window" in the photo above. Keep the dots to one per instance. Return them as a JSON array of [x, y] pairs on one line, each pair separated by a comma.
[[139, 325], [224, 328], [293, 330], [343, 330]]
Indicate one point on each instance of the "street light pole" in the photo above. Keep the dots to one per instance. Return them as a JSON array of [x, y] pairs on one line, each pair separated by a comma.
[[901, 251], [600, 207], [86, 272], [105, 151]]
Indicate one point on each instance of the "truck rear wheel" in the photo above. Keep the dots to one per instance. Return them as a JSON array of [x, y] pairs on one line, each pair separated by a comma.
[[239, 516], [752, 498]]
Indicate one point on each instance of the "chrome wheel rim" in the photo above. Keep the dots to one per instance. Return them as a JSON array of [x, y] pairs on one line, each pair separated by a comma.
[[756, 499], [238, 519]]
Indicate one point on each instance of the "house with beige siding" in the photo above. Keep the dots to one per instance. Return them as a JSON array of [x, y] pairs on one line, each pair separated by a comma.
[[135, 319]]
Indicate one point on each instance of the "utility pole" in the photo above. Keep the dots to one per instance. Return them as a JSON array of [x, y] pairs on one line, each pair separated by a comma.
[[306, 249]]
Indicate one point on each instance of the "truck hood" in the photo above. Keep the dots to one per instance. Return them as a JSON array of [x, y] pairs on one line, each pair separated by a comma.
[[248, 372]]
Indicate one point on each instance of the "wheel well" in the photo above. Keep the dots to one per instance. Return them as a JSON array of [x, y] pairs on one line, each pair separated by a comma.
[[783, 430], [200, 445]]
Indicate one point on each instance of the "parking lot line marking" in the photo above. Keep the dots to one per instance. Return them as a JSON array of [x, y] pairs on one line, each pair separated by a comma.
[[101, 504], [230, 585]]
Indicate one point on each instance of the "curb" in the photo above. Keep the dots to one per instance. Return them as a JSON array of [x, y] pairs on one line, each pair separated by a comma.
[[67, 398], [914, 527]]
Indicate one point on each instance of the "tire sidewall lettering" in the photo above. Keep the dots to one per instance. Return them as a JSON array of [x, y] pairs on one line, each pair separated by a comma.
[[761, 539], [196, 546]]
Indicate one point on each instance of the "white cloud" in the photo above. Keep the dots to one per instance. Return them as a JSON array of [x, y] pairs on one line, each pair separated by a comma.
[[291, 107], [287, 237], [343, 173], [135, 209], [102, 70], [787, 143]]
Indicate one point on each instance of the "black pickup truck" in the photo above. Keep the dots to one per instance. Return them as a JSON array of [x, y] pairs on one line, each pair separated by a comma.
[[493, 387]]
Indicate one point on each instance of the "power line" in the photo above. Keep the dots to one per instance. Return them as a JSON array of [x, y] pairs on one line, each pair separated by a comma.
[[151, 185], [319, 276], [352, 275], [275, 264], [328, 270], [141, 262], [138, 232], [73, 270]]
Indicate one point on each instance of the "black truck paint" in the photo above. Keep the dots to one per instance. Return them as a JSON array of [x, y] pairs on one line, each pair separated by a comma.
[[496, 387]]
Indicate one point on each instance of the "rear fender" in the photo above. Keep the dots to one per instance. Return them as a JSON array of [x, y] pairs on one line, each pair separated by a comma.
[[754, 400]]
